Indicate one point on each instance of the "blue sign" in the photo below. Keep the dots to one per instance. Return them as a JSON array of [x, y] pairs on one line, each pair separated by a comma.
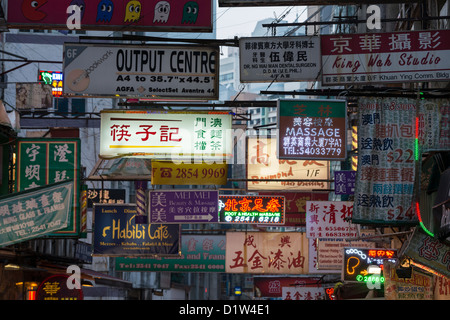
[[344, 182], [117, 234]]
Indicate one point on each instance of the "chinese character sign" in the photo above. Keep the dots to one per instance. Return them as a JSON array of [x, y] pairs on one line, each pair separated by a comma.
[[344, 182], [303, 293], [399, 57], [55, 288], [386, 161], [330, 219], [266, 252], [279, 59], [166, 135]]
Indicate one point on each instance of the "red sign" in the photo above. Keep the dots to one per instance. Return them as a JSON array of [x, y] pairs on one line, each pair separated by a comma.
[[55, 288], [271, 287]]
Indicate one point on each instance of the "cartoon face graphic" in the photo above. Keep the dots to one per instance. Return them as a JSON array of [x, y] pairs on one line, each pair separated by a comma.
[[162, 10], [190, 12], [132, 11], [30, 9], [105, 10], [79, 3]]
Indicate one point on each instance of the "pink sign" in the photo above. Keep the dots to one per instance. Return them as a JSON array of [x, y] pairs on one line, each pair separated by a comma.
[[118, 15]]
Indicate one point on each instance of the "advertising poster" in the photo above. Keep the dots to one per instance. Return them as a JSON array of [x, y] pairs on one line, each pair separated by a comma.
[[34, 213], [391, 57], [205, 253], [279, 59], [115, 15], [170, 173], [387, 156], [43, 161], [266, 252], [33, 96], [195, 136], [262, 163], [150, 71], [116, 233], [312, 129]]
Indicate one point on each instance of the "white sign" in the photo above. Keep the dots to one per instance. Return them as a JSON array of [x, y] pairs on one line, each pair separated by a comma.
[[166, 135], [141, 71], [279, 59], [262, 163]]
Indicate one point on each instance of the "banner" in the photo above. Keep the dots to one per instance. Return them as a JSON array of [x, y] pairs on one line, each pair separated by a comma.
[[267, 252], [279, 59], [170, 173], [141, 71], [393, 57], [117, 15], [205, 253], [116, 233], [35, 213], [262, 163]]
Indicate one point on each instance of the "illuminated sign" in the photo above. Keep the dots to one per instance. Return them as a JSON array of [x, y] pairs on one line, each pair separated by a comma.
[[312, 129], [251, 209], [365, 265], [53, 78]]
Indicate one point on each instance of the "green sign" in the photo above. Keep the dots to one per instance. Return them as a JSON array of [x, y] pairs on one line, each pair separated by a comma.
[[204, 253], [42, 161], [31, 214]]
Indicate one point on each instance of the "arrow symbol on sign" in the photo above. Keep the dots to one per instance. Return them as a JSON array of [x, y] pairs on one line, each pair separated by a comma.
[[104, 231], [209, 217]]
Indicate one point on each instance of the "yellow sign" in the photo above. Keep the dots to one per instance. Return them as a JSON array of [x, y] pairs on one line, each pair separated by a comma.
[[166, 172]]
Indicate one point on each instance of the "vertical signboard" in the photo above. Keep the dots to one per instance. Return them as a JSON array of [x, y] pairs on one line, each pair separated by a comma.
[[312, 129], [45, 161], [344, 182]]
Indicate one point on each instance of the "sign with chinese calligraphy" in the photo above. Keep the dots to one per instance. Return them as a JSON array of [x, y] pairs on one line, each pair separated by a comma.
[[303, 293], [358, 260], [434, 124], [188, 72], [266, 252], [386, 161], [171, 173], [428, 252], [251, 209], [344, 182], [44, 161], [117, 15], [183, 206], [312, 129], [395, 57], [117, 234], [109, 196], [55, 288], [34, 213], [271, 287], [329, 219], [279, 59], [33, 96], [53, 78], [262, 163], [205, 253], [166, 135]]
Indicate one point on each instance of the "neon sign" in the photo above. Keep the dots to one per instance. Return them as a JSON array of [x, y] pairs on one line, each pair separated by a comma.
[[252, 209], [359, 263], [54, 78]]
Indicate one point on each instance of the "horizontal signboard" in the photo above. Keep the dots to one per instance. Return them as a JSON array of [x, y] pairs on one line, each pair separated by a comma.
[[109, 196], [170, 173], [252, 209], [279, 59], [150, 71], [183, 206], [117, 15], [166, 135], [395, 57]]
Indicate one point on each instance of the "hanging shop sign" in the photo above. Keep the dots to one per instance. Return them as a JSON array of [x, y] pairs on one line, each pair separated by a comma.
[[344, 182], [35, 213], [55, 288], [271, 287], [117, 234], [312, 129], [279, 59], [188, 72], [53, 78], [262, 163], [434, 124], [117, 15], [183, 206], [44, 161], [387, 153], [172, 173], [330, 219], [393, 57], [201, 136], [303, 293], [361, 264], [266, 252], [33, 96], [251, 209], [205, 253], [110, 196]]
